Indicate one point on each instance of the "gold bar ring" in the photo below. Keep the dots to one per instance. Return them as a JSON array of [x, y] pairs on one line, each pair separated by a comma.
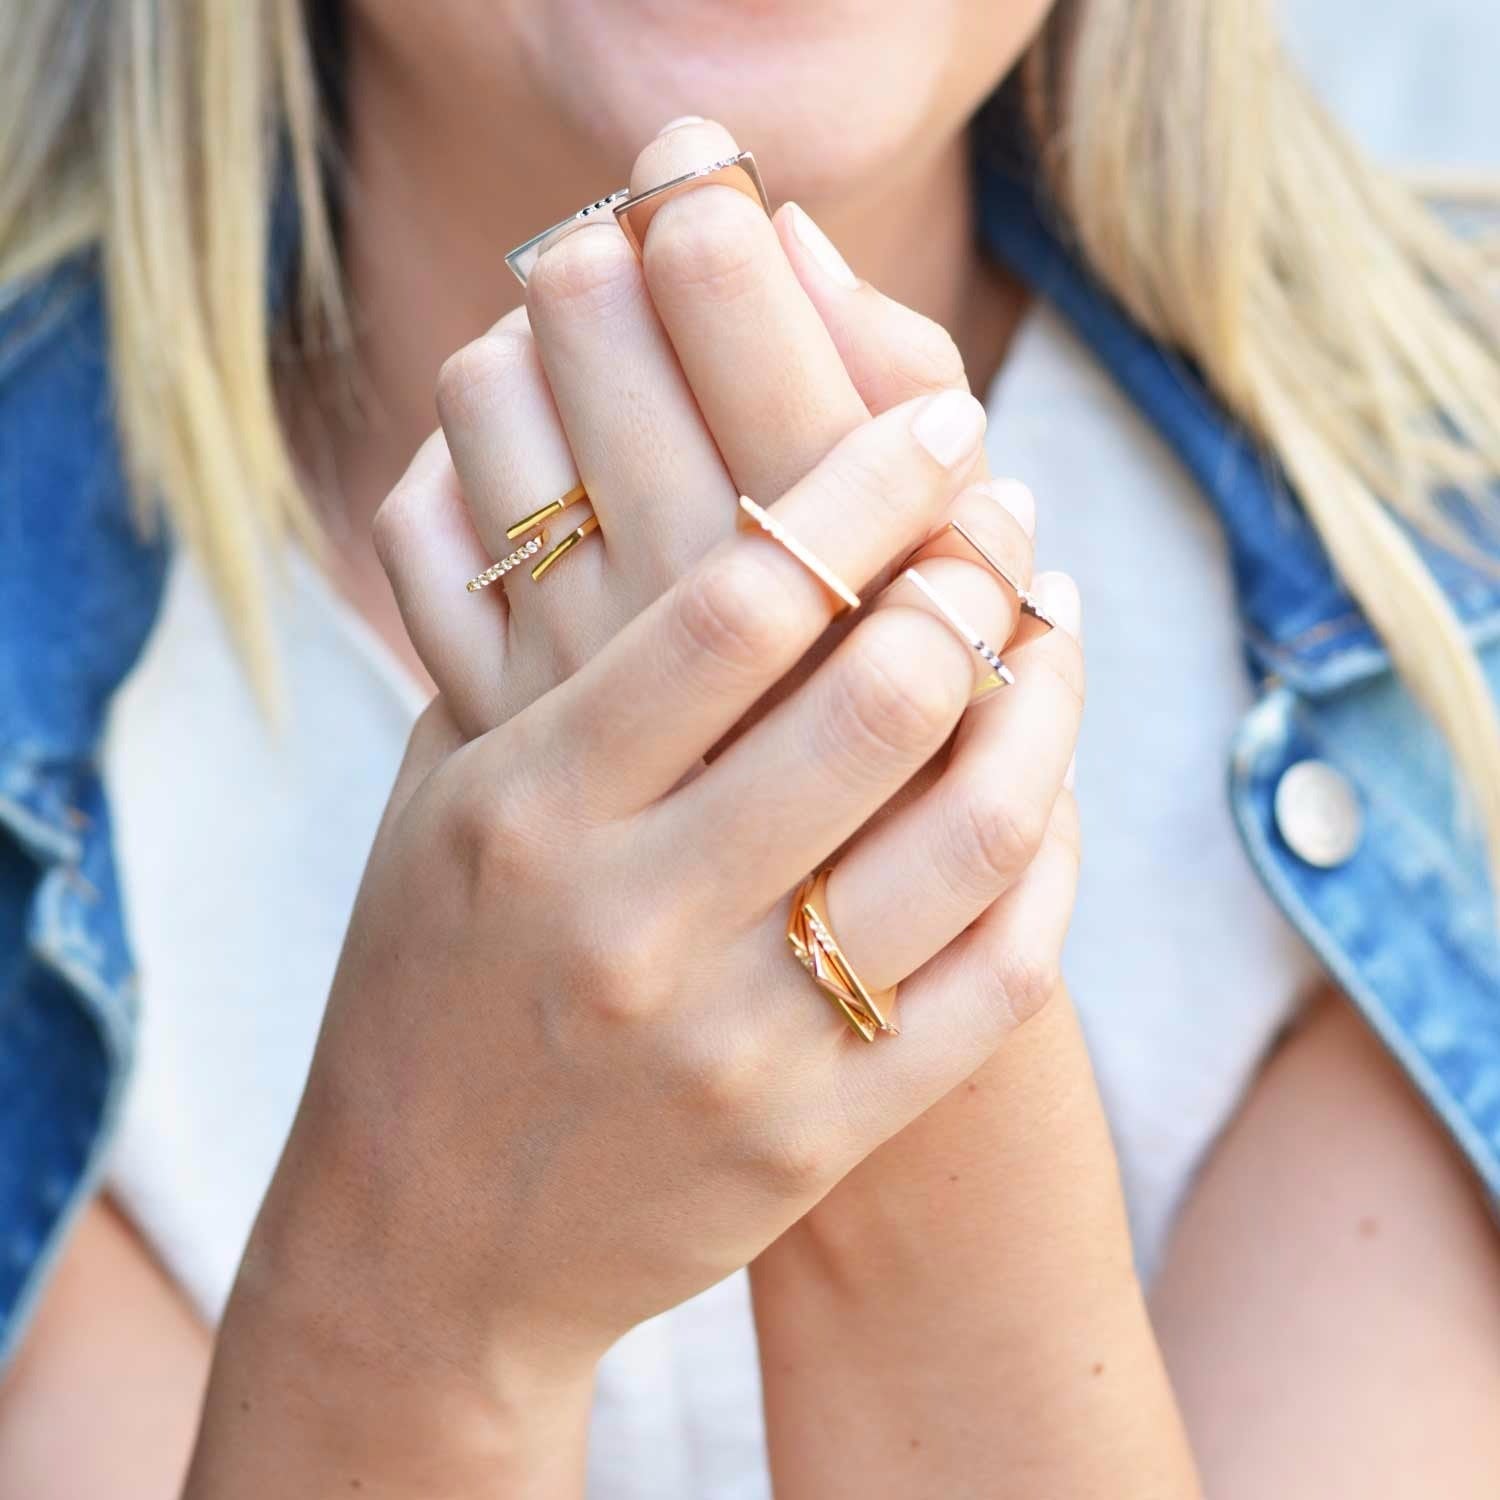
[[565, 546], [498, 570], [550, 509], [752, 514]]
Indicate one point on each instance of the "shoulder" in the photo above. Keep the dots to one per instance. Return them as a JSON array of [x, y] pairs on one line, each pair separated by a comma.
[[79, 581]]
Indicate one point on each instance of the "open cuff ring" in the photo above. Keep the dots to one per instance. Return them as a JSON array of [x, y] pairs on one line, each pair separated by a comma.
[[528, 549], [634, 211]]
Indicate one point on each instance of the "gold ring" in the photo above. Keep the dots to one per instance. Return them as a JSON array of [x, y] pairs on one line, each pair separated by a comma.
[[550, 509], [814, 565], [635, 211], [565, 546], [498, 570], [812, 940]]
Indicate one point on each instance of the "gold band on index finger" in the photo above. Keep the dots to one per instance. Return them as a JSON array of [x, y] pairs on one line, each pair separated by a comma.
[[752, 514]]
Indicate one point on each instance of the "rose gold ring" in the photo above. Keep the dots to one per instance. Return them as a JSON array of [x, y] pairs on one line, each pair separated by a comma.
[[810, 935], [1034, 620], [753, 515], [636, 211]]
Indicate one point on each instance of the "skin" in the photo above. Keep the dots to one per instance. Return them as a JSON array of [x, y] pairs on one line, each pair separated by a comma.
[[1027, 1290]]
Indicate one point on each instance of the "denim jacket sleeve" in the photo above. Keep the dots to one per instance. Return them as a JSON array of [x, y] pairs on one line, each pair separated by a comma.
[[79, 588]]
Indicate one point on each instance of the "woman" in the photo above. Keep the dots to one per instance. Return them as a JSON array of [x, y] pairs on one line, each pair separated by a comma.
[[571, 1076]]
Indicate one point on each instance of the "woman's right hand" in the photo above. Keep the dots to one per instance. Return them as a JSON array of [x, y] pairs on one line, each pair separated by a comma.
[[571, 1073]]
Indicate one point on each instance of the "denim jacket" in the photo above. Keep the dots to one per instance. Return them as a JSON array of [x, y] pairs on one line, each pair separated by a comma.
[[1372, 856]]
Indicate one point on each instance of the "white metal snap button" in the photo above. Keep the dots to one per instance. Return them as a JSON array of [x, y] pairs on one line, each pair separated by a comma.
[[1318, 813]]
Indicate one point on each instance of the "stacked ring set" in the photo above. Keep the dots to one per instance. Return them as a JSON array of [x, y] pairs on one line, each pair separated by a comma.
[[809, 932]]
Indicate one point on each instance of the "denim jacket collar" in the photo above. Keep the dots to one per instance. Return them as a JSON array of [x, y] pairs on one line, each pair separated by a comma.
[[1300, 623]]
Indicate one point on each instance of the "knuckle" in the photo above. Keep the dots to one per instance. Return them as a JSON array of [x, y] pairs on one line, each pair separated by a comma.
[[793, 1163], [397, 524], [997, 837], [705, 242], [729, 612], [1062, 660], [615, 987], [593, 273], [1066, 829], [862, 477], [923, 355], [472, 378], [621, 968], [1023, 984], [892, 698], [489, 843], [726, 1083]]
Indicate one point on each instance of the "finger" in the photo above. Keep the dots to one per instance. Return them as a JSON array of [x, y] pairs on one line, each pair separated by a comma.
[[767, 377], [507, 441], [958, 1010], [910, 884], [429, 549], [979, 559], [656, 480], [792, 789], [891, 353], [674, 682]]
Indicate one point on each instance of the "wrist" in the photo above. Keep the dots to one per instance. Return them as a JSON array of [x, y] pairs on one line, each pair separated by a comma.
[[349, 1351]]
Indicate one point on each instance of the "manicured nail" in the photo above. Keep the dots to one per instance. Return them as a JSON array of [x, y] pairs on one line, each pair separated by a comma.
[[1071, 774], [821, 248], [1012, 495], [680, 120], [949, 426], [1058, 595]]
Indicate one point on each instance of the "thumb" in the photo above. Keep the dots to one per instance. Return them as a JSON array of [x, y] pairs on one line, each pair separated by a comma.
[[891, 353]]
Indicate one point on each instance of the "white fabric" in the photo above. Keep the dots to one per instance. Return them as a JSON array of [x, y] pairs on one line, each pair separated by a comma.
[[241, 853]]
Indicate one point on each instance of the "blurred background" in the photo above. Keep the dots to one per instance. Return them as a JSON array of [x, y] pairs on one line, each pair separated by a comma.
[[1417, 80]]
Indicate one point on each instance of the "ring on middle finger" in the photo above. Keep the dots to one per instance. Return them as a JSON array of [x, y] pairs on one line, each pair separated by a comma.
[[634, 212], [533, 545]]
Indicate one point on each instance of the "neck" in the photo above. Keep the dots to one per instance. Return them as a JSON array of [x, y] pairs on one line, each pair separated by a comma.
[[429, 216]]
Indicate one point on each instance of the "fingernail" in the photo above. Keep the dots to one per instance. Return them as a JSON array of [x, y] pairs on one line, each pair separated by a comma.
[[680, 120], [1013, 496], [821, 248], [1058, 595], [1070, 775], [949, 426]]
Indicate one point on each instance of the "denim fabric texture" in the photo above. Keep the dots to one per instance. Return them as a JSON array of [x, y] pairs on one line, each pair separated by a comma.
[[1406, 925]]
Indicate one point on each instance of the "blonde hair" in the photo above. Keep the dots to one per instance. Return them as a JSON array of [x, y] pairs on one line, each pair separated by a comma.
[[1328, 308]]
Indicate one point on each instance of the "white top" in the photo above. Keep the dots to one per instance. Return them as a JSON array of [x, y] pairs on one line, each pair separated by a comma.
[[241, 853]]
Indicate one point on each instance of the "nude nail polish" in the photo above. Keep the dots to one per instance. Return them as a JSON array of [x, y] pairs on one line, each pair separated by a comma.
[[1058, 595], [949, 426], [1013, 496], [679, 121], [821, 248]]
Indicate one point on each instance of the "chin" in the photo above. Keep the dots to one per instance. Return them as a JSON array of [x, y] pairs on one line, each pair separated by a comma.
[[828, 94]]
